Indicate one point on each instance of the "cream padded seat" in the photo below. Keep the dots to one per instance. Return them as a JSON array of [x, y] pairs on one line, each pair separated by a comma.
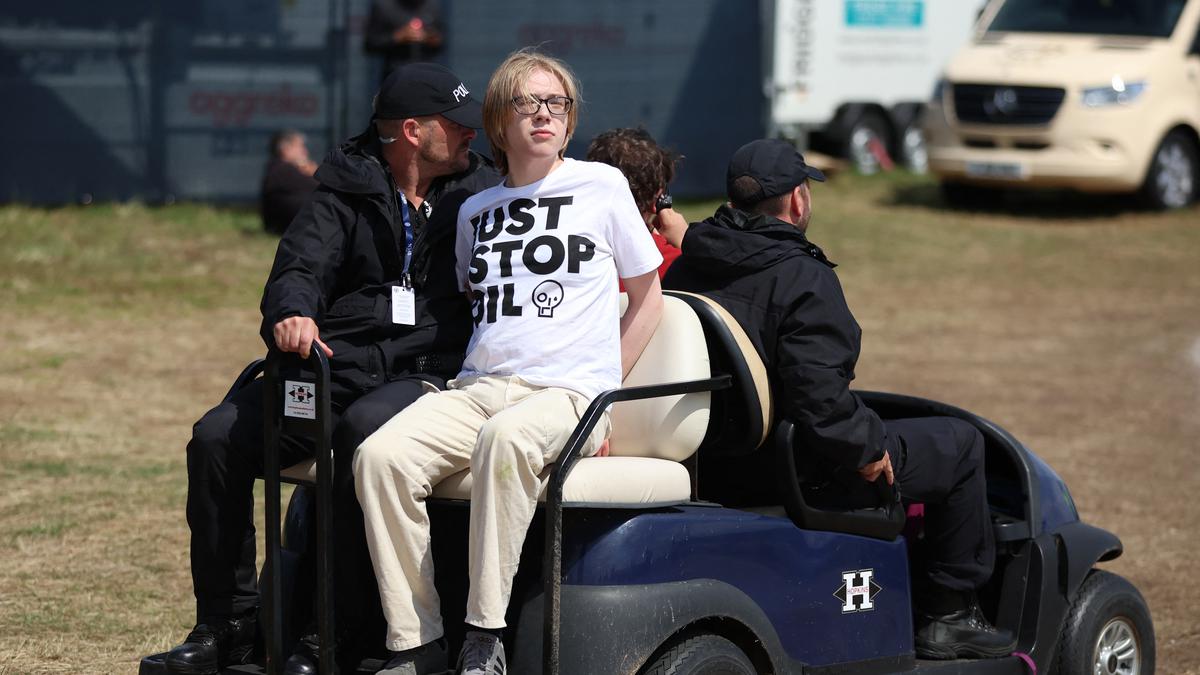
[[603, 481], [635, 482], [650, 437]]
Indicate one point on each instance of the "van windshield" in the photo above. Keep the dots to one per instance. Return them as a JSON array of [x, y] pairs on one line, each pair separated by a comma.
[[1149, 18]]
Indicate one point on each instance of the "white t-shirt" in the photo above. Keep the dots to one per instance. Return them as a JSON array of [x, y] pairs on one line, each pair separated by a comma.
[[541, 263]]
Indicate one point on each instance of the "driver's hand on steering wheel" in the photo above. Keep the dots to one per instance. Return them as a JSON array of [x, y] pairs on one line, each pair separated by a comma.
[[871, 471]]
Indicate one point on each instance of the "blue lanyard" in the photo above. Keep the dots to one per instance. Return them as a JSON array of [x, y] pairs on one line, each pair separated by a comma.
[[408, 240]]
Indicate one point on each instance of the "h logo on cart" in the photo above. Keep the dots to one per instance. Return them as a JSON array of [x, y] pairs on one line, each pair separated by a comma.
[[858, 591]]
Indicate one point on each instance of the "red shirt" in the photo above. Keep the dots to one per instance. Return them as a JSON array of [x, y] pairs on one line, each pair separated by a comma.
[[669, 254]]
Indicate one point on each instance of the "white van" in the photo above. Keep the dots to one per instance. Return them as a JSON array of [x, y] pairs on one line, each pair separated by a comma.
[[1094, 95], [850, 77]]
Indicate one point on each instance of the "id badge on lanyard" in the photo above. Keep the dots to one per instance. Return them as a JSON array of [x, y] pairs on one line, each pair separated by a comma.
[[404, 299]]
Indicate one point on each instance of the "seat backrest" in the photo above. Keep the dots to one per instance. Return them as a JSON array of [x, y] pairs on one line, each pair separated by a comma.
[[742, 416], [670, 427], [749, 458]]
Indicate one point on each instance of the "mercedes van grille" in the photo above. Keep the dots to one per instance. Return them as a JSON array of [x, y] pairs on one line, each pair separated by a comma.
[[1002, 104]]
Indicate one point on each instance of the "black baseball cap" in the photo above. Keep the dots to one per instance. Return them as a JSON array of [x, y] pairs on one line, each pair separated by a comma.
[[774, 164], [419, 89]]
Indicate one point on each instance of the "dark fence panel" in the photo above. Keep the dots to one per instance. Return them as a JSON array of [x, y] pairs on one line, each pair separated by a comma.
[[689, 71], [143, 99], [161, 100]]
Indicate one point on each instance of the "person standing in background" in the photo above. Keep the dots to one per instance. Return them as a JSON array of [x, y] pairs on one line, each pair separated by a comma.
[[287, 181], [404, 31]]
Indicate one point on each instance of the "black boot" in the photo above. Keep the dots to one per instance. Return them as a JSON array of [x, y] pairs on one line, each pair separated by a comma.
[[955, 628], [307, 657], [212, 645]]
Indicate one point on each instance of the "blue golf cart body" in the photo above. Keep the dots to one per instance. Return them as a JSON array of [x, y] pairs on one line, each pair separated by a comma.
[[745, 575]]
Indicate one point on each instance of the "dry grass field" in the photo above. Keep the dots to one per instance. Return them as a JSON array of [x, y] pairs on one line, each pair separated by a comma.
[[1071, 321]]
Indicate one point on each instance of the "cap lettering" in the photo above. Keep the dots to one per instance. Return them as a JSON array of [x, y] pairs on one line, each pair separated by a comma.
[[460, 92]]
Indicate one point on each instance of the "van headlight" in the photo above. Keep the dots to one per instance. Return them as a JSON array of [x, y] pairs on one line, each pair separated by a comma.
[[1119, 92]]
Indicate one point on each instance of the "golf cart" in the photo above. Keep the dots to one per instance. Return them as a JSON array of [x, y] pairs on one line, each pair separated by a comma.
[[697, 546]]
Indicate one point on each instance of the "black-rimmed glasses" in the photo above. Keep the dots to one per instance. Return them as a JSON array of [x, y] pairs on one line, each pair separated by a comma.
[[555, 105]]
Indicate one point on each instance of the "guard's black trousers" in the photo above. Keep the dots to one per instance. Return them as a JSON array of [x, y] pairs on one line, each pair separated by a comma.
[[224, 458], [938, 461]]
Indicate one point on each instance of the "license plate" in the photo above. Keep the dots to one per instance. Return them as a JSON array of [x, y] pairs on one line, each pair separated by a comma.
[[1000, 170]]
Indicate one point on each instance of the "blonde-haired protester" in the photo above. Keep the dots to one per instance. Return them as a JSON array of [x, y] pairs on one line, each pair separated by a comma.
[[540, 256]]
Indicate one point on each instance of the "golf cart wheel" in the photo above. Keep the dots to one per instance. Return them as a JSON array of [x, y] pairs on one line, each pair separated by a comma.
[[1108, 630], [1171, 182], [869, 135], [703, 654]]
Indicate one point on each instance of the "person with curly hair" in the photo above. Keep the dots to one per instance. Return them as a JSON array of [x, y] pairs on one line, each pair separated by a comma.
[[649, 168]]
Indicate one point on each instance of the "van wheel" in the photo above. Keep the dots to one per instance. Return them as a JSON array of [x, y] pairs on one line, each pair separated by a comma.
[[1108, 630], [1171, 180], [703, 654], [913, 149], [869, 135]]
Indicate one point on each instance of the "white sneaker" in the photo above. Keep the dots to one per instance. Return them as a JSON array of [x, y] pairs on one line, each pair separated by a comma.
[[482, 654]]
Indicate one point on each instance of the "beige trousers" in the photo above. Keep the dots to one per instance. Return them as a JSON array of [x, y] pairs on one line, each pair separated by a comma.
[[506, 431]]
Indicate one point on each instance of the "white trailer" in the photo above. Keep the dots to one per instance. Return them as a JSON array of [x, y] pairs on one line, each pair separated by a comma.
[[850, 77]]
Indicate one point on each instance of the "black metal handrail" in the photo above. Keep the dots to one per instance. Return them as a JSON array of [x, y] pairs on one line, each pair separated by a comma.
[[552, 568], [248, 375], [321, 431]]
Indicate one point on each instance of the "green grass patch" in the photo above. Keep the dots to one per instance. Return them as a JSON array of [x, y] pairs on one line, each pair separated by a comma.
[[148, 471], [48, 530], [49, 469], [53, 362], [128, 257], [16, 434]]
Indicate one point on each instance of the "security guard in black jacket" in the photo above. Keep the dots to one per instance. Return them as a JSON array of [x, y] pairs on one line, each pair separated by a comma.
[[366, 273], [753, 258]]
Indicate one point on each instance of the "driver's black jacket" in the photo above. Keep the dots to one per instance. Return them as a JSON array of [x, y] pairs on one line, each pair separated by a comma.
[[785, 294], [339, 258]]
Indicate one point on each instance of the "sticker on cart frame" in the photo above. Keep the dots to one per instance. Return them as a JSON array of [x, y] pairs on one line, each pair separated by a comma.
[[299, 399], [858, 591]]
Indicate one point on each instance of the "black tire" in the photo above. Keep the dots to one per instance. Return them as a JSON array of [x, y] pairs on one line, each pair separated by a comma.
[[966, 197], [867, 129], [1108, 630], [702, 654], [1172, 180]]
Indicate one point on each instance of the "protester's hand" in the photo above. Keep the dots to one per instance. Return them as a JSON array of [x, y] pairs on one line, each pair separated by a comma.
[[871, 471], [671, 225], [296, 334]]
